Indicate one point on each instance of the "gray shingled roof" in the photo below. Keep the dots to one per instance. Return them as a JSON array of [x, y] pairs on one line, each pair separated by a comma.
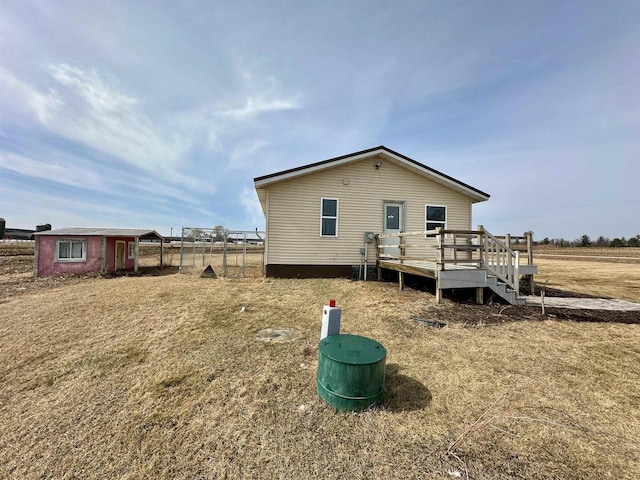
[[102, 232]]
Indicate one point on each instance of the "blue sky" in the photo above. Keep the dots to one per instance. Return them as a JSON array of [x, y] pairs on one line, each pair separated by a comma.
[[159, 114]]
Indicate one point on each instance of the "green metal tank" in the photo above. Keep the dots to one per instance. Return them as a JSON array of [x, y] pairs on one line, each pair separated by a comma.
[[351, 372]]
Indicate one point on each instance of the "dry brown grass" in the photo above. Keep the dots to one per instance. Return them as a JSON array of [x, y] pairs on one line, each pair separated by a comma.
[[600, 279], [161, 377]]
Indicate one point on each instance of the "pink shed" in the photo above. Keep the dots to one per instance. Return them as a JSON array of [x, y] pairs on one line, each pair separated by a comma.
[[78, 251]]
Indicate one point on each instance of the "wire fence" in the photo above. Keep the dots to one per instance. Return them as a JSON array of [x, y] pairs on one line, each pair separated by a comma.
[[230, 253]]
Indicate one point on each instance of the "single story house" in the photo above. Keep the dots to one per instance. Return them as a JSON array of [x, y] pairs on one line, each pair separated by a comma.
[[321, 217], [83, 250]]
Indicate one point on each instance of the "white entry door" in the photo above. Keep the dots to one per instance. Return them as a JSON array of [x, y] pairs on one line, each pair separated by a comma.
[[393, 220]]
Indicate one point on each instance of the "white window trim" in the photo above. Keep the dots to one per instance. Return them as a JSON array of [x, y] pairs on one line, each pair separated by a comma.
[[426, 221], [129, 245], [322, 217], [71, 260]]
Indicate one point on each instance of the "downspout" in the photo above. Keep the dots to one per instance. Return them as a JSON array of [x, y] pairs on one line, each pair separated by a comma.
[[265, 261], [366, 265]]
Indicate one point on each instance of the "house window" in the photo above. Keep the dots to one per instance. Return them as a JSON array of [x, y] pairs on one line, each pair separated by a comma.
[[71, 250], [435, 217], [329, 217], [132, 250]]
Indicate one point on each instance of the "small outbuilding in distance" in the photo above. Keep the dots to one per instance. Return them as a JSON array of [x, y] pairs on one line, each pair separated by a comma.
[[83, 250]]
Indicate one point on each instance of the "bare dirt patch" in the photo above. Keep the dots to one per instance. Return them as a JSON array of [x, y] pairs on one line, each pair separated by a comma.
[[277, 335]]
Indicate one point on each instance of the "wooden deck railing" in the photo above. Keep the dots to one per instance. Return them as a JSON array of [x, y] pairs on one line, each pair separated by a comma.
[[468, 248], [502, 261]]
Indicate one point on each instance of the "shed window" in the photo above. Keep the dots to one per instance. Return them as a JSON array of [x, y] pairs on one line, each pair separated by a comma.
[[71, 250], [435, 217], [132, 249], [329, 217]]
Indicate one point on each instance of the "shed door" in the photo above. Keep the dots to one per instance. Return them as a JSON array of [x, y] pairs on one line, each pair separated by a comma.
[[393, 223], [119, 255]]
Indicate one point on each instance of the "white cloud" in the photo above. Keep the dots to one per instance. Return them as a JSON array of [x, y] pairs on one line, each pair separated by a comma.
[[83, 107], [107, 120], [90, 86], [72, 171], [63, 172], [258, 105], [18, 97]]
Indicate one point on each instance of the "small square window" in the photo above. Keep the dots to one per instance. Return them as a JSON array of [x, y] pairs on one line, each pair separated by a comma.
[[132, 249], [71, 251]]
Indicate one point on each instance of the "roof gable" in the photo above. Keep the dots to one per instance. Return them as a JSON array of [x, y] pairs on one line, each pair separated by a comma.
[[382, 151]]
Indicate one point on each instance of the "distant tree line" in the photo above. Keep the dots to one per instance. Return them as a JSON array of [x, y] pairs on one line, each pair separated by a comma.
[[585, 241]]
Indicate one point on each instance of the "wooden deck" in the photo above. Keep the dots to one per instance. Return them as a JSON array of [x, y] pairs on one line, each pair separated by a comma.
[[422, 268], [464, 259]]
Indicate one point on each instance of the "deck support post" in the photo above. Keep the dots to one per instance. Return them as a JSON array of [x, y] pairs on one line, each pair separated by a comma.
[[532, 285], [440, 248], [482, 253], [479, 295], [438, 292], [401, 280], [455, 250], [529, 236]]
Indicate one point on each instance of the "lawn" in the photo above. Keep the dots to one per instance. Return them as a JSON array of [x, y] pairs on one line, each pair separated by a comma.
[[584, 270], [162, 377]]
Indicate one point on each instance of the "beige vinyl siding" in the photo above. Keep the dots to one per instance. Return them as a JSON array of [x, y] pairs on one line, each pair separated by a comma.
[[294, 210]]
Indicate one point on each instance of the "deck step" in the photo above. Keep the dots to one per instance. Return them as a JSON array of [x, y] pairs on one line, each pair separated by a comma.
[[506, 292]]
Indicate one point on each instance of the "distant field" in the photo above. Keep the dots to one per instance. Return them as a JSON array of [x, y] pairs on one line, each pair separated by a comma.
[[631, 253]]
